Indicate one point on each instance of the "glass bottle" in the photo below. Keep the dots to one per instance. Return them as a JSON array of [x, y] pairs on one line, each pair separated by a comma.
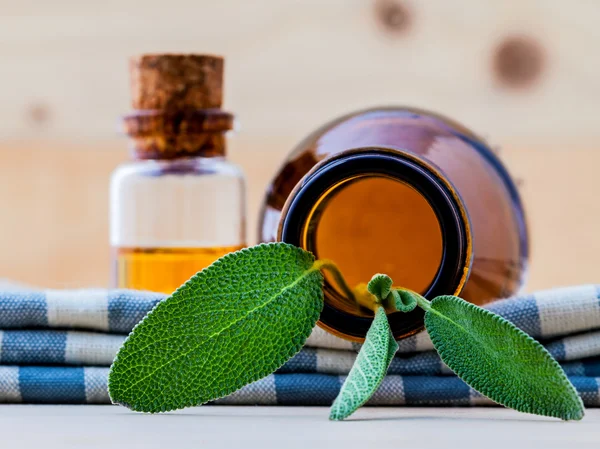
[[403, 192], [179, 204]]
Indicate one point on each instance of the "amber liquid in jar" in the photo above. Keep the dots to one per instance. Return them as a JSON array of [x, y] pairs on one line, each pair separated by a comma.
[[171, 219], [162, 269]]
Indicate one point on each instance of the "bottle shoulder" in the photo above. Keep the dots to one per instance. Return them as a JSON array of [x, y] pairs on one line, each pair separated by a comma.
[[184, 167]]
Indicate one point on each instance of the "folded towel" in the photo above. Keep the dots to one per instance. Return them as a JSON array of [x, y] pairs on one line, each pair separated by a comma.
[[111, 311], [86, 328], [543, 315], [58, 347], [87, 385]]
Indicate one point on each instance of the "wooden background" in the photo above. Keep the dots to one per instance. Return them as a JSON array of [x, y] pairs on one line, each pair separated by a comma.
[[524, 74]]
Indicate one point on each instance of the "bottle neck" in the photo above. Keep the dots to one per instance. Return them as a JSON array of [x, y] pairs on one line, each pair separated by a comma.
[[158, 134], [319, 186]]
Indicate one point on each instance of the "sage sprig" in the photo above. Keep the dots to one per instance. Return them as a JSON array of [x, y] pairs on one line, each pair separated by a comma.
[[374, 358], [243, 317]]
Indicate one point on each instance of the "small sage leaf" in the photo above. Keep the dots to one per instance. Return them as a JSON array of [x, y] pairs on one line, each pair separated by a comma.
[[404, 300], [380, 285], [231, 324], [499, 360], [368, 370]]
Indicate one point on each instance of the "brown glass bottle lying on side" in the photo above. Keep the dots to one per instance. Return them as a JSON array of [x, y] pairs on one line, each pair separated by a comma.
[[403, 192]]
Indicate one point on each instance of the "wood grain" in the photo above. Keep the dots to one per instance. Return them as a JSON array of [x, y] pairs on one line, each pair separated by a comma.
[[291, 66]]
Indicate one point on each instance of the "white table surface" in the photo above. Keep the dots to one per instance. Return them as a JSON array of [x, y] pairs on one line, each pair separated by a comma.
[[46, 427]]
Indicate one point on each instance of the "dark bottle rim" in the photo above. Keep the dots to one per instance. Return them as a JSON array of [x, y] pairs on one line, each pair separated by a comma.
[[406, 167]]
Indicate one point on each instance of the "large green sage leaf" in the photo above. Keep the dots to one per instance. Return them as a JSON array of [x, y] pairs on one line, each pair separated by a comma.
[[499, 360], [231, 324], [368, 370]]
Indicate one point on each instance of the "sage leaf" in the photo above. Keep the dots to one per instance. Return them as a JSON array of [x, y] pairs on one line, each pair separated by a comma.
[[404, 300], [380, 285], [401, 300], [231, 324], [368, 370], [499, 360]]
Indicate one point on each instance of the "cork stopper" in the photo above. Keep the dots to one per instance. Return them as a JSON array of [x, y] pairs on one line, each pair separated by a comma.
[[177, 106], [172, 82]]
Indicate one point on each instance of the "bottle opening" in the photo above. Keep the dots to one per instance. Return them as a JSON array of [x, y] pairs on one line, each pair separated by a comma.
[[379, 210], [376, 224]]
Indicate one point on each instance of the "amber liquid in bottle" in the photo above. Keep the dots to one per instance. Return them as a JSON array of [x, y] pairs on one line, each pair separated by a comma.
[[162, 269], [367, 211]]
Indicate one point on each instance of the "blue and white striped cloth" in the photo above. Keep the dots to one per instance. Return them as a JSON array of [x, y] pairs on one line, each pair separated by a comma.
[[56, 346]]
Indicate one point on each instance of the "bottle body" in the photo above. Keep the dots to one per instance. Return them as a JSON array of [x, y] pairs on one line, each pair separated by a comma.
[[406, 193], [171, 218]]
